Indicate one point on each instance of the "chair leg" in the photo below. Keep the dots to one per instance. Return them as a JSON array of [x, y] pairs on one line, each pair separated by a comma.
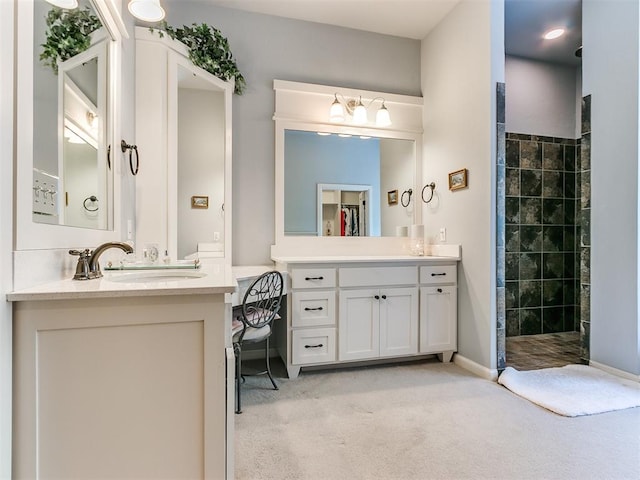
[[275, 386], [238, 352]]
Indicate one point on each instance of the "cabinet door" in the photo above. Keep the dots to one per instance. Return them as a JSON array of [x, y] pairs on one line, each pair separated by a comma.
[[359, 328], [398, 321], [438, 319]]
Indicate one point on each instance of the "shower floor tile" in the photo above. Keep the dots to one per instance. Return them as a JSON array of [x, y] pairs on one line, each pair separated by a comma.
[[532, 352]]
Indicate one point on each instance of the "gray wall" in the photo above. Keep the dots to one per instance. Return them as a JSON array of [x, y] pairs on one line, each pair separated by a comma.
[[610, 67], [268, 48], [541, 98]]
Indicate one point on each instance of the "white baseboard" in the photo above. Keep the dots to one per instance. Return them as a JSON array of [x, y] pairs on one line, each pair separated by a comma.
[[615, 371], [475, 368]]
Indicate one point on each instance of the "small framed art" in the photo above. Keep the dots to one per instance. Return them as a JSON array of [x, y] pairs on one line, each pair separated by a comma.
[[458, 179], [198, 201], [392, 197]]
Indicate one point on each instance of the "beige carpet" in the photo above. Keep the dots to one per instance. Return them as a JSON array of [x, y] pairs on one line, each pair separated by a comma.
[[422, 421]]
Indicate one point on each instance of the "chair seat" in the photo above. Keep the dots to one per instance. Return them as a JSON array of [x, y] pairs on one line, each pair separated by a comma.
[[253, 334]]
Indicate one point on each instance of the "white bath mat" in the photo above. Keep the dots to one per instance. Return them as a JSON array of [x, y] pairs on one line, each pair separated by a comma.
[[572, 390]]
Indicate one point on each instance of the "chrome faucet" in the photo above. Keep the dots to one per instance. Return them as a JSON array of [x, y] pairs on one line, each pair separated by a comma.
[[88, 266]]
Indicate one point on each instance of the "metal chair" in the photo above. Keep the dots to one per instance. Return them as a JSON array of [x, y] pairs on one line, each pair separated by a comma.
[[252, 321]]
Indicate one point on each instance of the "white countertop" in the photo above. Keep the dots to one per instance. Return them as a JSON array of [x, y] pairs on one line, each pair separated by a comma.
[[363, 259], [217, 279]]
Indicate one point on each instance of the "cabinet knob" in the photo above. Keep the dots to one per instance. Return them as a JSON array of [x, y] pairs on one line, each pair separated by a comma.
[[384, 297], [439, 290], [309, 309], [377, 297]]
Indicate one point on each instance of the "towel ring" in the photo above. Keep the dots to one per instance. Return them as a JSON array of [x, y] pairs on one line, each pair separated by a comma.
[[408, 193], [92, 199], [124, 146], [432, 186]]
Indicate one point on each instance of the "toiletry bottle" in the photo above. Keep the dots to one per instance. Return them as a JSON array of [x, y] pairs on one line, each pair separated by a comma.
[[166, 260]]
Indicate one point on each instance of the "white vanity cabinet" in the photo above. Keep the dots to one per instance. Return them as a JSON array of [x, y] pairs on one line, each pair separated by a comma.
[[312, 329], [438, 310], [183, 137], [380, 321], [124, 380], [359, 309]]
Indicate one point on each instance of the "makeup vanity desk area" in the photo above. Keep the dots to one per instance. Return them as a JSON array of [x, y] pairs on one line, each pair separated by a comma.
[[345, 309]]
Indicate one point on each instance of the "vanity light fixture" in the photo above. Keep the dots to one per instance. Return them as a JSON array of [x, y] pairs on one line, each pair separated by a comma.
[[358, 111], [555, 33], [146, 10], [66, 4]]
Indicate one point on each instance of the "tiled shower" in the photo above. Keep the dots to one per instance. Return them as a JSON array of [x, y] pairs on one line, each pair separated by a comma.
[[542, 256]]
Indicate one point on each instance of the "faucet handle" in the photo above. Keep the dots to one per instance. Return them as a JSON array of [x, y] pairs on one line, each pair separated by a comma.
[[82, 268]]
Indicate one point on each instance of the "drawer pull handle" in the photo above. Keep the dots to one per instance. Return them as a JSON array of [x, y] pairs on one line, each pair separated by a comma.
[[314, 278], [320, 345], [439, 290], [307, 309], [438, 274]]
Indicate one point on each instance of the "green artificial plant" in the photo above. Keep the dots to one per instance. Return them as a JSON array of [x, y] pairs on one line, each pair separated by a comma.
[[68, 34], [208, 49]]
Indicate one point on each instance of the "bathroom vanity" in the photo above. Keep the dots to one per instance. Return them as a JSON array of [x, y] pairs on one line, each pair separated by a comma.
[[365, 308], [130, 375]]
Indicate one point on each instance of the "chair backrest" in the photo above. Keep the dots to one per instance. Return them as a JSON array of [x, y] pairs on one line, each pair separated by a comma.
[[262, 299]]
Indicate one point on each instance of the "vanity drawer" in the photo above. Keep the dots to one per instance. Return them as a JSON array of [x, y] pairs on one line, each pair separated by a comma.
[[313, 278], [373, 276], [313, 345], [438, 274], [313, 308]]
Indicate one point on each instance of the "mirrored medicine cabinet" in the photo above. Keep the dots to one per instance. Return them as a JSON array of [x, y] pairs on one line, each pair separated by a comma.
[[67, 122]]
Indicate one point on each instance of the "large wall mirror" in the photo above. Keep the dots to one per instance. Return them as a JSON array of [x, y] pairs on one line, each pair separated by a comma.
[[67, 117], [347, 185], [72, 177]]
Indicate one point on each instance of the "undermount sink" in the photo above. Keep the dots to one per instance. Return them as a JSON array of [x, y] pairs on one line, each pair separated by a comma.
[[151, 277]]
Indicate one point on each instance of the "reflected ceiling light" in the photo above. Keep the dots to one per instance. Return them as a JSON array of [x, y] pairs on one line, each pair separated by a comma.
[[146, 10], [344, 135], [555, 33], [358, 111], [364, 137], [68, 4], [323, 134]]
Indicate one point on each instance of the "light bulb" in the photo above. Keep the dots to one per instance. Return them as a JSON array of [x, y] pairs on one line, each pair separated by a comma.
[[383, 119], [336, 114], [67, 4], [146, 10], [360, 113]]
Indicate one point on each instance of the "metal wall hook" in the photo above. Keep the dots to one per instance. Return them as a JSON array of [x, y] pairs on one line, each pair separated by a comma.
[[408, 193], [93, 202], [124, 146], [432, 186]]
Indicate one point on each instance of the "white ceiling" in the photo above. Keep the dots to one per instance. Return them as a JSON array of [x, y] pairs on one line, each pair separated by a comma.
[[525, 20]]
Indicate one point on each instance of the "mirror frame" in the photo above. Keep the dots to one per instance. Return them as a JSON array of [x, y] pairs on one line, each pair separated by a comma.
[[305, 107], [39, 236]]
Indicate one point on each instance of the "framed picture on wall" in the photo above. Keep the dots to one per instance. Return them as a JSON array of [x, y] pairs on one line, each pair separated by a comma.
[[198, 201], [458, 179], [392, 197]]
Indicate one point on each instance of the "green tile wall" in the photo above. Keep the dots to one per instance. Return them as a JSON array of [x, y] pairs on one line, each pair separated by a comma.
[[541, 253]]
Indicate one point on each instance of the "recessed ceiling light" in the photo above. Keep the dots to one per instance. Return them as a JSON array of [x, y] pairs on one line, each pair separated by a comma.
[[555, 33]]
